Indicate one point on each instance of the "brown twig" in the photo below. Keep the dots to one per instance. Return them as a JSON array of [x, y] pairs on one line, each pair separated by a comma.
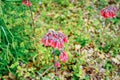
[[46, 70]]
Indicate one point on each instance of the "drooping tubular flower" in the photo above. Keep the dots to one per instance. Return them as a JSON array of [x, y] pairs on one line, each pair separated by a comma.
[[54, 39], [57, 64], [63, 57], [26, 2], [109, 12]]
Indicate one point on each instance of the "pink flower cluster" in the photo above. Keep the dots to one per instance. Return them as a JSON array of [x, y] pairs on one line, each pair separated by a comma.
[[63, 57], [109, 12], [26, 2], [54, 39]]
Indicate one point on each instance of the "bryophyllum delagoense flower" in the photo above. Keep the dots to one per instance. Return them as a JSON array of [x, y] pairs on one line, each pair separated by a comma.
[[26, 2], [54, 39], [57, 64], [63, 57], [109, 12]]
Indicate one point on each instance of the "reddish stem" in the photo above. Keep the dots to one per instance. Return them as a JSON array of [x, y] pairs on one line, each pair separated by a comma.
[[54, 61], [32, 17]]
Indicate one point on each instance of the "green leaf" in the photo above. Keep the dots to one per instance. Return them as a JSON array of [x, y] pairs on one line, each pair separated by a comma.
[[13, 0], [14, 64]]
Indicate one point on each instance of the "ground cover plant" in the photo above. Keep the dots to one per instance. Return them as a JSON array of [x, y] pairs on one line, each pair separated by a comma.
[[89, 48]]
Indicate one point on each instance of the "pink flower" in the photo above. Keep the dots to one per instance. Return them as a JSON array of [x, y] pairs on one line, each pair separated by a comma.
[[109, 12], [65, 39], [54, 39], [63, 56], [57, 64], [26, 2], [45, 41]]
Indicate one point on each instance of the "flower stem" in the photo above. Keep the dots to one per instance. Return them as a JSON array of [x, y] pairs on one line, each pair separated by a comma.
[[33, 28], [32, 17], [54, 61]]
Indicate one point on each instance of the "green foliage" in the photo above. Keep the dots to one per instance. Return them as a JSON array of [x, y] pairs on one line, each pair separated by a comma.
[[63, 2], [16, 44], [108, 66], [57, 52], [82, 41]]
